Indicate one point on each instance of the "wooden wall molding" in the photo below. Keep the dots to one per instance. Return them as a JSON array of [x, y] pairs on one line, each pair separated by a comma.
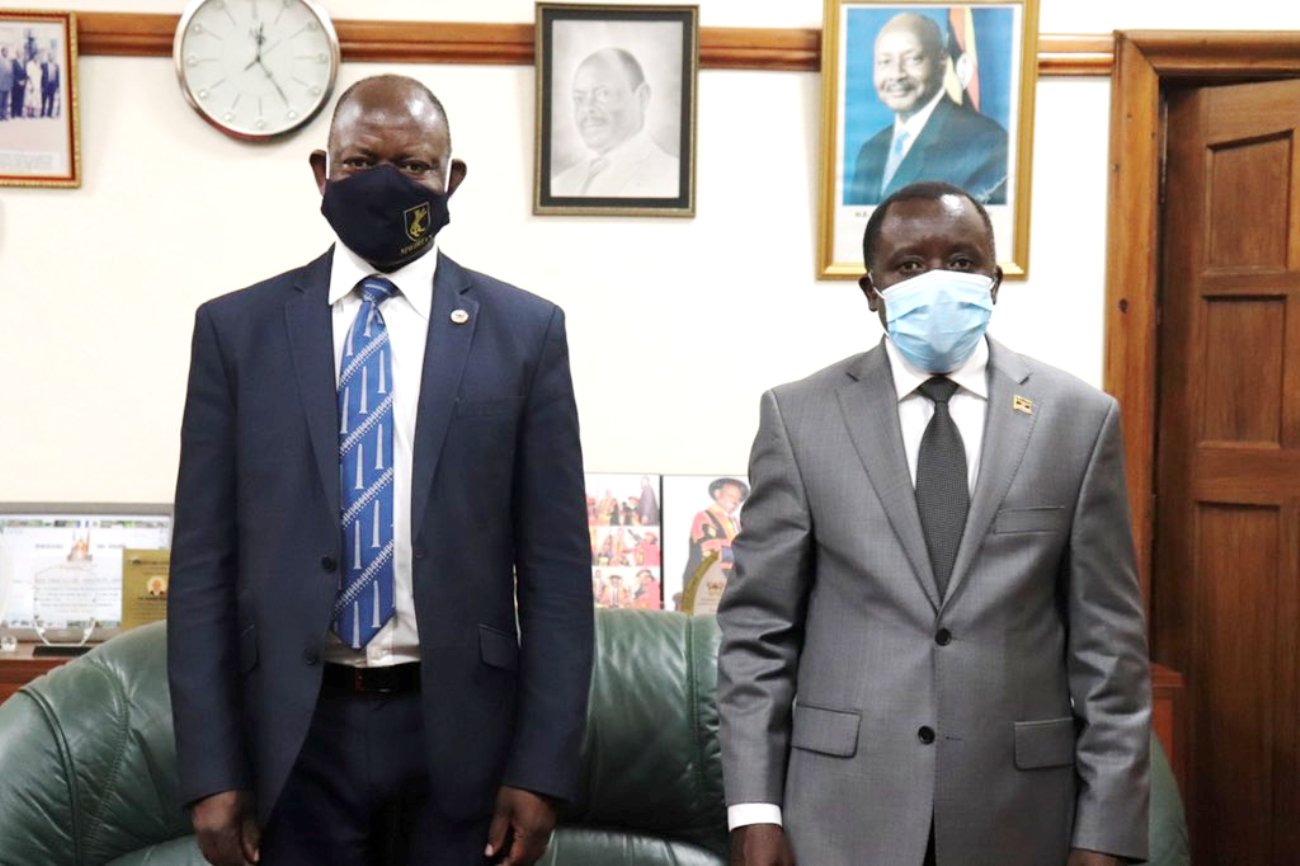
[[1146, 64], [127, 34]]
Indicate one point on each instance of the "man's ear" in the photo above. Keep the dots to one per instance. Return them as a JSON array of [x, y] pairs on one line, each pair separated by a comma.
[[317, 160], [869, 289], [456, 175], [997, 282], [643, 96]]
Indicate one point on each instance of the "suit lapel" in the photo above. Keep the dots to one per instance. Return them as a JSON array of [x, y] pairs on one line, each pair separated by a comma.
[[869, 405], [1006, 434], [445, 355], [308, 320]]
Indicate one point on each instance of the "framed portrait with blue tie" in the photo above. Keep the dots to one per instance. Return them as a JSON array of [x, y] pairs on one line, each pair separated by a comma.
[[918, 91], [616, 109]]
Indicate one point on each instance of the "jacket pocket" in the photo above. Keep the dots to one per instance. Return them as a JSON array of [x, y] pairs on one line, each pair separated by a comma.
[[487, 408], [830, 732], [248, 649], [498, 649], [1046, 519], [1048, 743]]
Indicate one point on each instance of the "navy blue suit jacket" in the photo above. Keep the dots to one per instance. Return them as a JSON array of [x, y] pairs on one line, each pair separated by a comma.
[[957, 145], [498, 512]]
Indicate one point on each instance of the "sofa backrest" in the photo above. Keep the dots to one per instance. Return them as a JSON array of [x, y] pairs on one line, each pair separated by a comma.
[[87, 758], [651, 782]]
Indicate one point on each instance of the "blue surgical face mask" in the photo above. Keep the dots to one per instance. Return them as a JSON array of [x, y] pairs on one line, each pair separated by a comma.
[[938, 318]]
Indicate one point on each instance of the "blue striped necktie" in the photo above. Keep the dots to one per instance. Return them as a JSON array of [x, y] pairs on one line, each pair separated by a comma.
[[365, 600]]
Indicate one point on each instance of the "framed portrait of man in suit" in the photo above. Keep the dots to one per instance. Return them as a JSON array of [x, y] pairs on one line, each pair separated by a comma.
[[616, 109], [924, 91], [39, 144]]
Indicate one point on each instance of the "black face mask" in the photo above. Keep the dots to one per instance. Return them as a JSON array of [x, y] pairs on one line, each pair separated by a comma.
[[384, 216]]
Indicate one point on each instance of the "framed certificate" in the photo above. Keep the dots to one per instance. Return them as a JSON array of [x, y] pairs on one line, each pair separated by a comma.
[[61, 565]]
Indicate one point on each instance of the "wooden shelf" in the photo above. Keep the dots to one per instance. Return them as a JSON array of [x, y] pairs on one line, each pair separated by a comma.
[[129, 34]]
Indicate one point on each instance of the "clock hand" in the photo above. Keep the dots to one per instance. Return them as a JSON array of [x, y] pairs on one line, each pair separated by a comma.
[[259, 39], [282, 39], [274, 83]]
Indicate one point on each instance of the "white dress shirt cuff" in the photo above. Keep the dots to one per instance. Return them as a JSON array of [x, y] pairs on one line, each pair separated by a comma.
[[744, 814]]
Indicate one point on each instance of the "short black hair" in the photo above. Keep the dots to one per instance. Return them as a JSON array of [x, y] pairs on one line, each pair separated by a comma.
[[419, 86], [927, 190]]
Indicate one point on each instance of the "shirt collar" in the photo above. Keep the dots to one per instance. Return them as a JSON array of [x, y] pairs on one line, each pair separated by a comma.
[[413, 280], [971, 376], [914, 124]]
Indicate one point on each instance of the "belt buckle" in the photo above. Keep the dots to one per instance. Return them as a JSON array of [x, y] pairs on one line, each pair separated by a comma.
[[358, 679]]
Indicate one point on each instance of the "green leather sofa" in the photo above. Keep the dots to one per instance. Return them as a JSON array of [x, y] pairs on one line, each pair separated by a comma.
[[87, 762]]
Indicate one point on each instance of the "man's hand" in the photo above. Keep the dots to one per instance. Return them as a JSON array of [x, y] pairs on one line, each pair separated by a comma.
[[761, 845], [521, 827], [1083, 857], [227, 829]]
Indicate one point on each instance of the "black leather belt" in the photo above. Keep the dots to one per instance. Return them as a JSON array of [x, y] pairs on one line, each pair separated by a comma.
[[390, 679]]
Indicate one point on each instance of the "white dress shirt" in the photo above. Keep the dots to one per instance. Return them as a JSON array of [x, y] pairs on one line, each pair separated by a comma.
[[406, 316], [968, 407]]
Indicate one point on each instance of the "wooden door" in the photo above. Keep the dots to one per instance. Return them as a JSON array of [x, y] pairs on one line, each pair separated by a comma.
[[1226, 577]]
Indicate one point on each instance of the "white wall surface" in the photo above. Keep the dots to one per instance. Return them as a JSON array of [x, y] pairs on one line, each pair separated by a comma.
[[676, 326]]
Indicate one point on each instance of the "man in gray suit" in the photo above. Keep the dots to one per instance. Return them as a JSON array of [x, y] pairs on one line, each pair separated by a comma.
[[933, 646]]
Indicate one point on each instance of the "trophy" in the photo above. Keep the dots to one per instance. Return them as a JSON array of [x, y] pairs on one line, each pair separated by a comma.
[[65, 597]]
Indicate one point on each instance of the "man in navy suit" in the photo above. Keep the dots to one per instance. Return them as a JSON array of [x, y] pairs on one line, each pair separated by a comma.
[[429, 707], [932, 138]]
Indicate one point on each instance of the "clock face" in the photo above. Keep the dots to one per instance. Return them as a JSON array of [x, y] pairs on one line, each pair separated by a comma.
[[256, 68]]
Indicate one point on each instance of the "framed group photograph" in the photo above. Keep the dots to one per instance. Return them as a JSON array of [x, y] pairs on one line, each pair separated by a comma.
[[616, 92], [922, 91], [38, 100], [623, 522]]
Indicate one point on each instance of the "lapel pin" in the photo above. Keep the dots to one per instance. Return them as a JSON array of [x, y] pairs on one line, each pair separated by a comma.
[[460, 317], [1022, 404]]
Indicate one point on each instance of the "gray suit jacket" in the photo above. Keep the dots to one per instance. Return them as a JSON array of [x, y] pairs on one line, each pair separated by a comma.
[[839, 659]]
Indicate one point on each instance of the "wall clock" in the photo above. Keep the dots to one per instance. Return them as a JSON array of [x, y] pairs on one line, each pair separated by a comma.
[[256, 69]]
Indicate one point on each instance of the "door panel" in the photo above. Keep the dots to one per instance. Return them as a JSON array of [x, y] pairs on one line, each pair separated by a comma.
[[1226, 575]]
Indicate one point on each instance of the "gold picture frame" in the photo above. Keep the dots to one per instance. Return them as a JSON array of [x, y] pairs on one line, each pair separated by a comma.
[[615, 118], [884, 123], [39, 132]]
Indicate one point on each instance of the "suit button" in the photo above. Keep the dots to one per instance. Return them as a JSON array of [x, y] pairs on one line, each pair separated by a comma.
[[418, 551], [943, 637], [926, 734], [310, 656], [328, 563]]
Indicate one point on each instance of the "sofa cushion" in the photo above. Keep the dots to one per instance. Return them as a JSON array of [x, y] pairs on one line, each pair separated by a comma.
[[593, 846]]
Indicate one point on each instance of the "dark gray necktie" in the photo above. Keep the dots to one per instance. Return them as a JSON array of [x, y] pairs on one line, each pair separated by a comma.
[[942, 489]]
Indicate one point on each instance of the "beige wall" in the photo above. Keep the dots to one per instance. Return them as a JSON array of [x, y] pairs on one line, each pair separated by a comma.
[[676, 326]]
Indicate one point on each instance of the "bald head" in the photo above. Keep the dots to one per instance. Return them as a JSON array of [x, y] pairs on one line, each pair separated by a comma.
[[390, 120], [389, 98], [610, 96], [910, 59]]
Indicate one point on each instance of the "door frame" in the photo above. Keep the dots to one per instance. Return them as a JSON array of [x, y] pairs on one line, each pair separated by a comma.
[[1147, 62]]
